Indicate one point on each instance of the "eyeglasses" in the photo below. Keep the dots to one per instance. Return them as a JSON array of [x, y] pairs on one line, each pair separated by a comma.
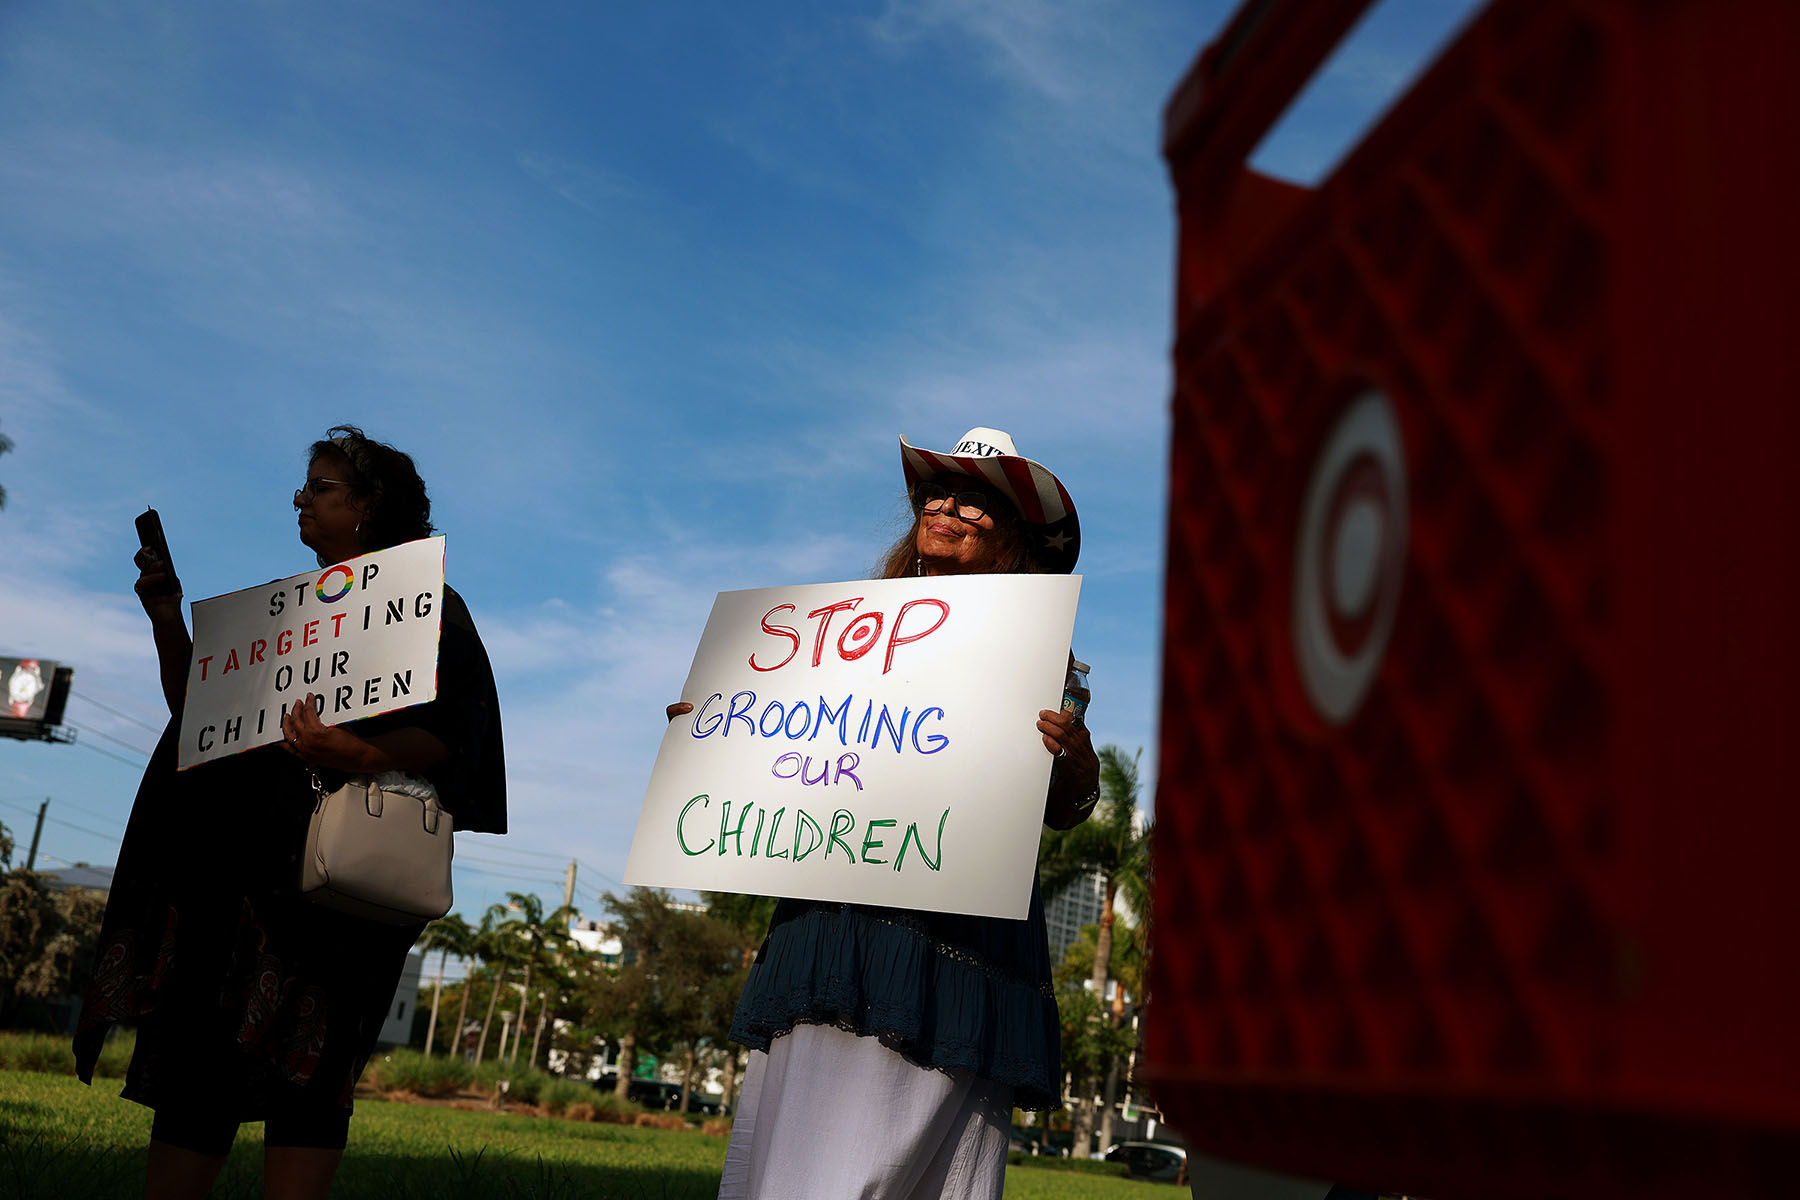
[[312, 488], [928, 495]]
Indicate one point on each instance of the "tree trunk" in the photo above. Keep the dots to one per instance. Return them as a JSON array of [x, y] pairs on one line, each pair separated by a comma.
[[1107, 1097], [1084, 1122], [728, 1080], [462, 1014], [437, 989], [524, 1003], [1084, 1112], [687, 1075], [627, 1062], [538, 1035], [1103, 940], [488, 1022]]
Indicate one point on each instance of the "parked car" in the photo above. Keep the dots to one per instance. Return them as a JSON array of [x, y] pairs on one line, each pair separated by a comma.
[[1150, 1160], [648, 1092]]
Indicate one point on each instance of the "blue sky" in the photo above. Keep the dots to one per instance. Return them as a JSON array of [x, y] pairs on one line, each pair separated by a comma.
[[649, 291]]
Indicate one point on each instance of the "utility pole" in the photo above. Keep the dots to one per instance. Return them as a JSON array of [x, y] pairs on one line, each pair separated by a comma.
[[569, 885], [38, 830]]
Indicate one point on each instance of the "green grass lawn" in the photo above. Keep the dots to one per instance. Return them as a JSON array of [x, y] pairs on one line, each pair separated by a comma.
[[60, 1138]]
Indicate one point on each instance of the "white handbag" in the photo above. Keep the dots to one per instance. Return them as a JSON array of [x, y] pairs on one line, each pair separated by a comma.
[[379, 852]]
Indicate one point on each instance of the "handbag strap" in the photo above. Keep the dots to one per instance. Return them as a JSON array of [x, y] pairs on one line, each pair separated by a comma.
[[374, 799]]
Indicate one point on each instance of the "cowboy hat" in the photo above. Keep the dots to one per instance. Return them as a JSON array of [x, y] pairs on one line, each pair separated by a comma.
[[1035, 492]]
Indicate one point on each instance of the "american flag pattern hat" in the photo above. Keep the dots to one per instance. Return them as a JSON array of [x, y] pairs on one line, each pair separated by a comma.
[[1038, 495]]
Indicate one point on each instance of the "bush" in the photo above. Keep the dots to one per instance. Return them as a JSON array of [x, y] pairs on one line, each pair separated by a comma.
[[614, 1111], [660, 1120], [717, 1127], [411, 1071], [51, 1054], [42, 1052], [1078, 1166], [559, 1095], [115, 1055]]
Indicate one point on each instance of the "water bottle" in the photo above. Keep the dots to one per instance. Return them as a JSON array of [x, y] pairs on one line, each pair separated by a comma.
[[1075, 690]]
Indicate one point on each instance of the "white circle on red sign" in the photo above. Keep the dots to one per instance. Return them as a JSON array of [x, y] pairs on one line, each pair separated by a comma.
[[1349, 558]]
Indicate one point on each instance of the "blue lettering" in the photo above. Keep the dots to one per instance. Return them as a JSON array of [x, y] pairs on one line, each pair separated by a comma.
[[841, 716], [886, 721], [741, 714], [780, 711], [700, 717], [800, 708], [938, 741]]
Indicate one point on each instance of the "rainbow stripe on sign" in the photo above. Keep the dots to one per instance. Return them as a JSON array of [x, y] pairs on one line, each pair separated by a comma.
[[349, 582]]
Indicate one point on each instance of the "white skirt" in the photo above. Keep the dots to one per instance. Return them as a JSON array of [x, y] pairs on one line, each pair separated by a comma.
[[827, 1115]]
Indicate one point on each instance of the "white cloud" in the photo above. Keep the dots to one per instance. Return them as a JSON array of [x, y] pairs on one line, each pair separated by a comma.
[[579, 183]]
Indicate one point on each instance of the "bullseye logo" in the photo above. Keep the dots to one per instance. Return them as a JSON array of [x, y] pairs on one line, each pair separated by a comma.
[[325, 580], [1349, 558]]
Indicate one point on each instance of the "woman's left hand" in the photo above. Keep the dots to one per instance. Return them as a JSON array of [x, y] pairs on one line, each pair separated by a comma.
[[1064, 736], [311, 740]]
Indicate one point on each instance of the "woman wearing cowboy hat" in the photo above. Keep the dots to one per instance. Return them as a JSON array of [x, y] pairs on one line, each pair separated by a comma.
[[889, 1047]]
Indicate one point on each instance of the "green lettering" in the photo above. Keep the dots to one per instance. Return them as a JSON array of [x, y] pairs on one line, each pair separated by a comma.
[[869, 842], [774, 829], [912, 835], [802, 821], [725, 829], [842, 822], [702, 798]]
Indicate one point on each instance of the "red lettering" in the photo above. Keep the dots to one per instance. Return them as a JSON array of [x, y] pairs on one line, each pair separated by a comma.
[[231, 662], [337, 622], [829, 611], [868, 637], [284, 641], [310, 634], [785, 631], [895, 641], [256, 651], [203, 663]]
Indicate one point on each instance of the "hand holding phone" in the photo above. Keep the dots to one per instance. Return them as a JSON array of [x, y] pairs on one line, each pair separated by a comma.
[[150, 537]]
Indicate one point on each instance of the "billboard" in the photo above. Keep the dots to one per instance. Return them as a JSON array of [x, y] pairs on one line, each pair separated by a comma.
[[36, 691]]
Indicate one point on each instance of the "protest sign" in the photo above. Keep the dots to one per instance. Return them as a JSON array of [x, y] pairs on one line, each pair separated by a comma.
[[873, 742], [361, 636]]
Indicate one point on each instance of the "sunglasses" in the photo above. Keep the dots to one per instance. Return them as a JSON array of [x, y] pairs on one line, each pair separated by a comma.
[[928, 495], [313, 488]]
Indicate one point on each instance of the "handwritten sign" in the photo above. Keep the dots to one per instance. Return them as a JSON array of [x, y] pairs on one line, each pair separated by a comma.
[[361, 636], [872, 742]]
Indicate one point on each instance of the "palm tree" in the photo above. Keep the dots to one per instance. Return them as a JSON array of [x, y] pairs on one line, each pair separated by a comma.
[[447, 935], [1115, 846], [537, 934], [494, 944]]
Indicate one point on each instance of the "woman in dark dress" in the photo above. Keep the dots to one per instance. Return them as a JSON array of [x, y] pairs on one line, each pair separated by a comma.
[[252, 1004], [889, 1047]]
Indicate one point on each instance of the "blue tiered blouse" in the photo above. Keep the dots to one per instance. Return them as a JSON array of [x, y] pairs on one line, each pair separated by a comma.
[[944, 991]]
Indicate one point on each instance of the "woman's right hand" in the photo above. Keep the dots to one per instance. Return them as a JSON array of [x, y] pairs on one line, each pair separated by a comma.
[[162, 607], [676, 709]]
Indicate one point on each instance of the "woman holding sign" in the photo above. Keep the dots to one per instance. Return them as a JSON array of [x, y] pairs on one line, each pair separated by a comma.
[[250, 1003], [889, 1047]]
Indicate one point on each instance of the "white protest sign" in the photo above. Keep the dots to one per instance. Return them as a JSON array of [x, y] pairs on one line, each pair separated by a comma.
[[361, 635], [873, 742]]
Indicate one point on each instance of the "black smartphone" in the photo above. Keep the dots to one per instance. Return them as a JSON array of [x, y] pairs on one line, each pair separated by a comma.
[[150, 537]]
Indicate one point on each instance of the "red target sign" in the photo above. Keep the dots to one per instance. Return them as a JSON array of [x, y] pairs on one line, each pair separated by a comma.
[[1349, 557]]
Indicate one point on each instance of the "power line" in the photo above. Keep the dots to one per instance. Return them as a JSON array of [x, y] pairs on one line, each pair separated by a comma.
[[559, 856], [59, 821], [100, 750], [118, 741], [83, 696]]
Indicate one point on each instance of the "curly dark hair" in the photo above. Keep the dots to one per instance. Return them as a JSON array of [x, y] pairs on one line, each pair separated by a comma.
[[385, 479]]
